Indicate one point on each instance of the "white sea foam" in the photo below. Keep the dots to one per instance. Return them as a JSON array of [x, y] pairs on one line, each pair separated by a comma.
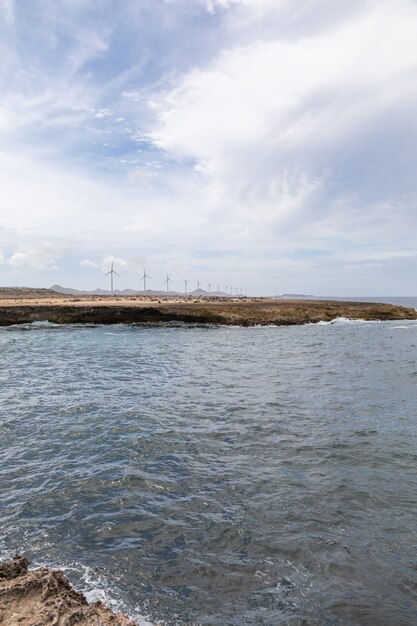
[[44, 324], [348, 320], [93, 585], [404, 326], [345, 320]]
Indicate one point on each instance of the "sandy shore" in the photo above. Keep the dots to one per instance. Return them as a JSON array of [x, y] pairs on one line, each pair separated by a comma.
[[45, 597], [19, 308]]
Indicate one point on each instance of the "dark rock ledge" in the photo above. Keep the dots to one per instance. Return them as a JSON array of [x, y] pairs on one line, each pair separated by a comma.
[[242, 313]]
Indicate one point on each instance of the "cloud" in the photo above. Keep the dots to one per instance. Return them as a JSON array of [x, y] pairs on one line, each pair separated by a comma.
[[7, 10], [103, 113], [119, 264], [260, 136], [43, 256], [139, 174], [213, 5], [93, 265], [274, 126], [104, 264]]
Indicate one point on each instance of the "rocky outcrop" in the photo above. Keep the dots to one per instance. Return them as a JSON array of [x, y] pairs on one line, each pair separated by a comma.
[[201, 311], [44, 597], [242, 312]]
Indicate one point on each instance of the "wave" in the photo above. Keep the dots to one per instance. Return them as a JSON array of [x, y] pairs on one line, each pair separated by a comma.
[[95, 587], [345, 320]]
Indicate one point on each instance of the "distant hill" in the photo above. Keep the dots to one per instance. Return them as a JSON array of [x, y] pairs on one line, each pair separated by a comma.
[[74, 292], [70, 291], [25, 292]]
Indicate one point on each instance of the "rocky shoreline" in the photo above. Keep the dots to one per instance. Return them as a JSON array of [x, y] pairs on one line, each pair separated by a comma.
[[45, 597], [233, 311]]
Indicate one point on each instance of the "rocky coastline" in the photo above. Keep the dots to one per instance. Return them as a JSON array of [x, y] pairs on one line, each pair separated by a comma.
[[45, 597], [227, 311]]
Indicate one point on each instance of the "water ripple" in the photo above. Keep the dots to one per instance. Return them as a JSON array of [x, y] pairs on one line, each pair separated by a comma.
[[216, 475]]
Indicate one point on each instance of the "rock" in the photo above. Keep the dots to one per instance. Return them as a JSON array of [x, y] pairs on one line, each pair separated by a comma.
[[44, 597], [247, 312]]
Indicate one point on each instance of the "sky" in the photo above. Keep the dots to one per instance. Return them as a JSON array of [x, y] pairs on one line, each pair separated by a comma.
[[269, 145]]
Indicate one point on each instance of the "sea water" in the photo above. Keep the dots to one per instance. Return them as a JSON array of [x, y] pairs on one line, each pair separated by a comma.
[[213, 475]]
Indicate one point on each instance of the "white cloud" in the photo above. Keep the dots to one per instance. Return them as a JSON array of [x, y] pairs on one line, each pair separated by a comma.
[[265, 122], [7, 10], [103, 113], [92, 265], [213, 5], [105, 263], [48, 87], [292, 131], [140, 174], [119, 264], [43, 256]]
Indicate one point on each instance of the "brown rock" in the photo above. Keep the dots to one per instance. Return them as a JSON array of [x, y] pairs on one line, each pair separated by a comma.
[[242, 312], [44, 597]]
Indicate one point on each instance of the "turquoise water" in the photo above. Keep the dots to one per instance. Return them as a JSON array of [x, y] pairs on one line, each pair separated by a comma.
[[217, 475]]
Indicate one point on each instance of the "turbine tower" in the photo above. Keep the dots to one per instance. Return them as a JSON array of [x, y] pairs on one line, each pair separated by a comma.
[[198, 285], [218, 288], [112, 272], [144, 277], [209, 284], [168, 280], [186, 281]]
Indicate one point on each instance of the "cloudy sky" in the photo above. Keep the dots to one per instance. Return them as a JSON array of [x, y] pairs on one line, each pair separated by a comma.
[[265, 144]]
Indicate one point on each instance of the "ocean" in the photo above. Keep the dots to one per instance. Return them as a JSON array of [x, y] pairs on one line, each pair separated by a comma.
[[217, 475]]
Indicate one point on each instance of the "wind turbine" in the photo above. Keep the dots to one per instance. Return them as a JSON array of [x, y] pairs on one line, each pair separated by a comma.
[[186, 281], [112, 271], [198, 285], [209, 284], [168, 280], [144, 277], [218, 288]]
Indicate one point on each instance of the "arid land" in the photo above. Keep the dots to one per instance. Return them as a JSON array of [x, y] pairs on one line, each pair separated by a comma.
[[19, 306]]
